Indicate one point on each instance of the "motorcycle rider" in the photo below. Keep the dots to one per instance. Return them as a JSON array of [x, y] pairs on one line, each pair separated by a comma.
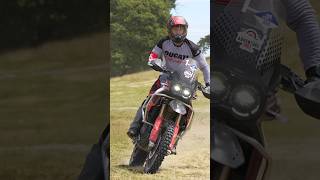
[[175, 48]]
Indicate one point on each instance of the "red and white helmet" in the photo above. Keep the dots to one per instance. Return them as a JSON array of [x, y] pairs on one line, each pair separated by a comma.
[[176, 21]]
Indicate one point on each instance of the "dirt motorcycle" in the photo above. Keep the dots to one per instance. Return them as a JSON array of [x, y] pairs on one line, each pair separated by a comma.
[[247, 72], [167, 115]]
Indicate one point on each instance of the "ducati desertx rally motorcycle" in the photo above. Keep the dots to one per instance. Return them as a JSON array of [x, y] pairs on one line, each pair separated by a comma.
[[246, 74], [167, 114]]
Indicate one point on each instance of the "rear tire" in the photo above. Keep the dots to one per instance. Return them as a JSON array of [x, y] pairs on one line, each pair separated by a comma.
[[157, 154]]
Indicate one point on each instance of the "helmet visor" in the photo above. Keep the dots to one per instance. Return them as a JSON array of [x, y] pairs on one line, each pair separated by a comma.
[[178, 30]]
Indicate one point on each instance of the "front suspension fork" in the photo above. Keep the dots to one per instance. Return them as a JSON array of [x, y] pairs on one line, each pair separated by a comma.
[[156, 127], [175, 133]]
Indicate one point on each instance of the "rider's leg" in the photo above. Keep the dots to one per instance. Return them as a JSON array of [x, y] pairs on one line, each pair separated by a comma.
[[135, 125]]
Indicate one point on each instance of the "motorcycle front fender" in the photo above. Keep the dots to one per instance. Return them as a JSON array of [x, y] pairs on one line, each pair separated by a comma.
[[225, 147], [178, 107]]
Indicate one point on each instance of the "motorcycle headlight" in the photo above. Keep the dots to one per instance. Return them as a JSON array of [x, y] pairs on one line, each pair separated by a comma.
[[219, 82], [245, 100], [186, 93], [177, 87], [179, 90]]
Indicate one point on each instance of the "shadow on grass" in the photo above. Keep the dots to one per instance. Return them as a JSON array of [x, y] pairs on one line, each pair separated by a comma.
[[134, 169]]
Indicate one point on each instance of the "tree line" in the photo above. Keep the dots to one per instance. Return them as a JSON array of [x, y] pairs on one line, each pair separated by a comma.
[[136, 26], [30, 22]]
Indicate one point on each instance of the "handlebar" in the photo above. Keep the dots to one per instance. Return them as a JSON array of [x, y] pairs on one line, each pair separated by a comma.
[[290, 81], [204, 90]]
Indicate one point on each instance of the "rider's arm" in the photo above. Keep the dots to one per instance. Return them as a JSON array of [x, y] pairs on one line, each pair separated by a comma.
[[204, 67], [201, 61], [301, 19], [156, 52]]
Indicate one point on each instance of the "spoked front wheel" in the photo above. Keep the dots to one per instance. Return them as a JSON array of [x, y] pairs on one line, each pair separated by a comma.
[[138, 156], [160, 150]]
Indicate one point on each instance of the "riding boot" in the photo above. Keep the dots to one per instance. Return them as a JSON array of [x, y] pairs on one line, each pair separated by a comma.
[[135, 125]]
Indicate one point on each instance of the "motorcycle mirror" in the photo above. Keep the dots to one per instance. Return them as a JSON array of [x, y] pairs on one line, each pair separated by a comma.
[[308, 99]]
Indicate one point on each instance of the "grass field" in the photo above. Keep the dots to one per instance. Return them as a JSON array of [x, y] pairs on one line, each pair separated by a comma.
[[192, 160], [294, 146], [52, 107]]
